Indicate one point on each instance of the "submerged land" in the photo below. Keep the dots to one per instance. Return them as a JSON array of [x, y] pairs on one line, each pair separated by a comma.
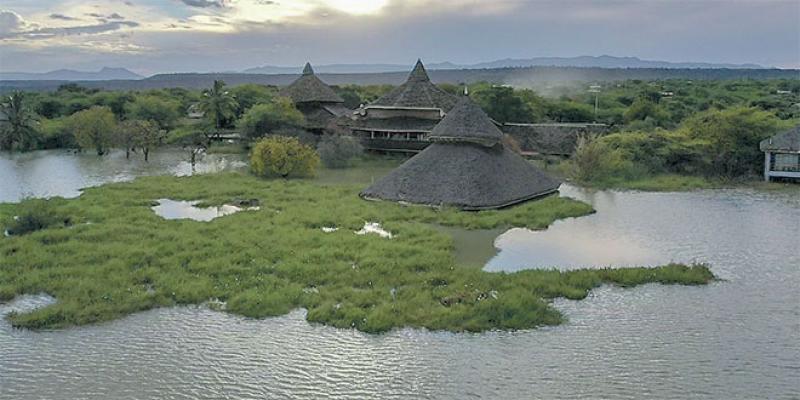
[[107, 255]]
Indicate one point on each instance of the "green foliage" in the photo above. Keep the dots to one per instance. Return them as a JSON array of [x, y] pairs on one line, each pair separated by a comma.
[[263, 119], [267, 262], [338, 151], [594, 160], [164, 112], [36, 214], [284, 157], [568, 111], [219, 105], [250, 94], [18, 131], [94, 128], [501, 103], [356, 95], [55, 134], [144, 135], [732, 138]]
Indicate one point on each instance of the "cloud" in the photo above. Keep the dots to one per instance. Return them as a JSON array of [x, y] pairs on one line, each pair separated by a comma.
[[204, 3], [11, 23], [62, 17], [49, 32]]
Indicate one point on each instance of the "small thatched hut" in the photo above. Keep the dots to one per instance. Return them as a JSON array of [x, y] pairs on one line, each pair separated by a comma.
[[466, 166], [402, 119], [316, 100]]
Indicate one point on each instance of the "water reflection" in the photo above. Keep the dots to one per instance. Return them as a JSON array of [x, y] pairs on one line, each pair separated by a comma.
[[173, 209]]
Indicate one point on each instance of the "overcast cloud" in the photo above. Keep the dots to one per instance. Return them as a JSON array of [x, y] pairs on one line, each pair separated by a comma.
[[150, 36]]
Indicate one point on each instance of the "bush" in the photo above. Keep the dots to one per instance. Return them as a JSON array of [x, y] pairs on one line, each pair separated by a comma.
[[284, 157], [264, 119], [594, 160], [34, 215], [338, 151]]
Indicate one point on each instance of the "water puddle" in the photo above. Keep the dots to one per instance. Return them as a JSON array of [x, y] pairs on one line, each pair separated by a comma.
[[374, 228], [174, 209]]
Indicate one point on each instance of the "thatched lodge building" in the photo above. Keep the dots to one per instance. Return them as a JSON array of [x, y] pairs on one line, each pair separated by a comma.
[[402, 119], [782, 155], [551, 139], [315, 99], [466, 166]]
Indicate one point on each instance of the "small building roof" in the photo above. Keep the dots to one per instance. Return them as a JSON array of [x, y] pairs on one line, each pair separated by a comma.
[[787, 141], [309, 88], [467, 123], [417, 92]]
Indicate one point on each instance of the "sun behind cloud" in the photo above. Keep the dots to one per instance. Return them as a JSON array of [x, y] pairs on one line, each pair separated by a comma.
[[357, 6]]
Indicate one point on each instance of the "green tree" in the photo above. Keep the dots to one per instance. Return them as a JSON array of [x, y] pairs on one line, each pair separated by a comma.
[[732, 138], [263, 119], [337, 151], [164, 112], [502, 103], [219, 104], [284, 157], [251, 94], [19, 128], [136, 133], [94, 128]]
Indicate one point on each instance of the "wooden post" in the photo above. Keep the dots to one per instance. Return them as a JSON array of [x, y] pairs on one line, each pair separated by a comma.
[[767, 159]]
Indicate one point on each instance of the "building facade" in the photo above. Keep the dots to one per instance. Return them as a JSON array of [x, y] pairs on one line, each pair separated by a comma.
[[782, 155]]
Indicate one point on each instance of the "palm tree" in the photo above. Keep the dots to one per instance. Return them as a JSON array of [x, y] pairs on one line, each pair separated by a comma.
[[19, 124], [218, 104]]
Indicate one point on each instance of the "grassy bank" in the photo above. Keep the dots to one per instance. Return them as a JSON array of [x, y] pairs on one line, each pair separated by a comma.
[[117, 257]]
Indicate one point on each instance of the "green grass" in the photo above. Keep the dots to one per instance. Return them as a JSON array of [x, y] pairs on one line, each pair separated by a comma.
[[119, 258], [658, 183]]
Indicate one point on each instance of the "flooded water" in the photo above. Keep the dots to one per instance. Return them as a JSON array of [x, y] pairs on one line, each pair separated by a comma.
[[175, 209], [48, 173], [734, 339]]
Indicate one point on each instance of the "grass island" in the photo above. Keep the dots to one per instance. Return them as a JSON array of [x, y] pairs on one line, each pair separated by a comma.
[[115, 257]]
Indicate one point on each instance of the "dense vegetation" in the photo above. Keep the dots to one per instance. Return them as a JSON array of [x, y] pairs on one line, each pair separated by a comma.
[[707, 129], [116, 257]]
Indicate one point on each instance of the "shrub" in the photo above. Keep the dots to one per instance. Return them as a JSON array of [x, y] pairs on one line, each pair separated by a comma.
[[264, 119], [594, 160], [338, 151], [34, 215], [284, 157]]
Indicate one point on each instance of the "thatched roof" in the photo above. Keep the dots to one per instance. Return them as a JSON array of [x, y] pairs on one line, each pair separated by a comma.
[[786, 141], [467, 122], [417, 92], [308, 88], [462, 173], [551, 138]]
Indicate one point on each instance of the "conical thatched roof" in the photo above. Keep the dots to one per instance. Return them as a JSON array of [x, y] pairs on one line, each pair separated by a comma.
[[417, 92], [308, 88], [467, 122], [467, 167], [786, 141]]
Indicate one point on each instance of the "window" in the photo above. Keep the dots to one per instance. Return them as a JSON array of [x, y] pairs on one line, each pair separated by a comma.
[[787, 162]]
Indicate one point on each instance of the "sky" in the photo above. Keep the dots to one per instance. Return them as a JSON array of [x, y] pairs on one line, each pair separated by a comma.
[[157, 36]]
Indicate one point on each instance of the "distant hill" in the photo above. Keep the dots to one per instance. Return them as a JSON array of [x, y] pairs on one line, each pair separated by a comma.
[[104, 74], [581, 61], [519, 77]]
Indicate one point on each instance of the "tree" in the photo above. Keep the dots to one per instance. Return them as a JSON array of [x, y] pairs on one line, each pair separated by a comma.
[[732, 138], [164, 112], [251, 94], [284, 157], [94, 128], [192, 141], [19, 128], [139, 134], [501, 103], [219, 104], [263, 119], [337, 151]]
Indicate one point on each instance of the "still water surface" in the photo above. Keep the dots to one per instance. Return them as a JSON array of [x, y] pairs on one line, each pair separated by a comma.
[[734, 339]]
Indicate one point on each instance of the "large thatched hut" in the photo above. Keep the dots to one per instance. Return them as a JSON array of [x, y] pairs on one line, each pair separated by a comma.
[[402, 119], [315, 99], [466, 166]]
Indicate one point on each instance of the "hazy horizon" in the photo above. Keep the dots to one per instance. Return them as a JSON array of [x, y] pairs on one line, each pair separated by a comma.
[[157, 36]]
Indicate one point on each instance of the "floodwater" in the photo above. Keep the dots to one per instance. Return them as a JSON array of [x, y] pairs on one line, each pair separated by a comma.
[[738, 338], [177, 209]]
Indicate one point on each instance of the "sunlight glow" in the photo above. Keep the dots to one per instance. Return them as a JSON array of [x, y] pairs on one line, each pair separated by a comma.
[[357, 6]]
